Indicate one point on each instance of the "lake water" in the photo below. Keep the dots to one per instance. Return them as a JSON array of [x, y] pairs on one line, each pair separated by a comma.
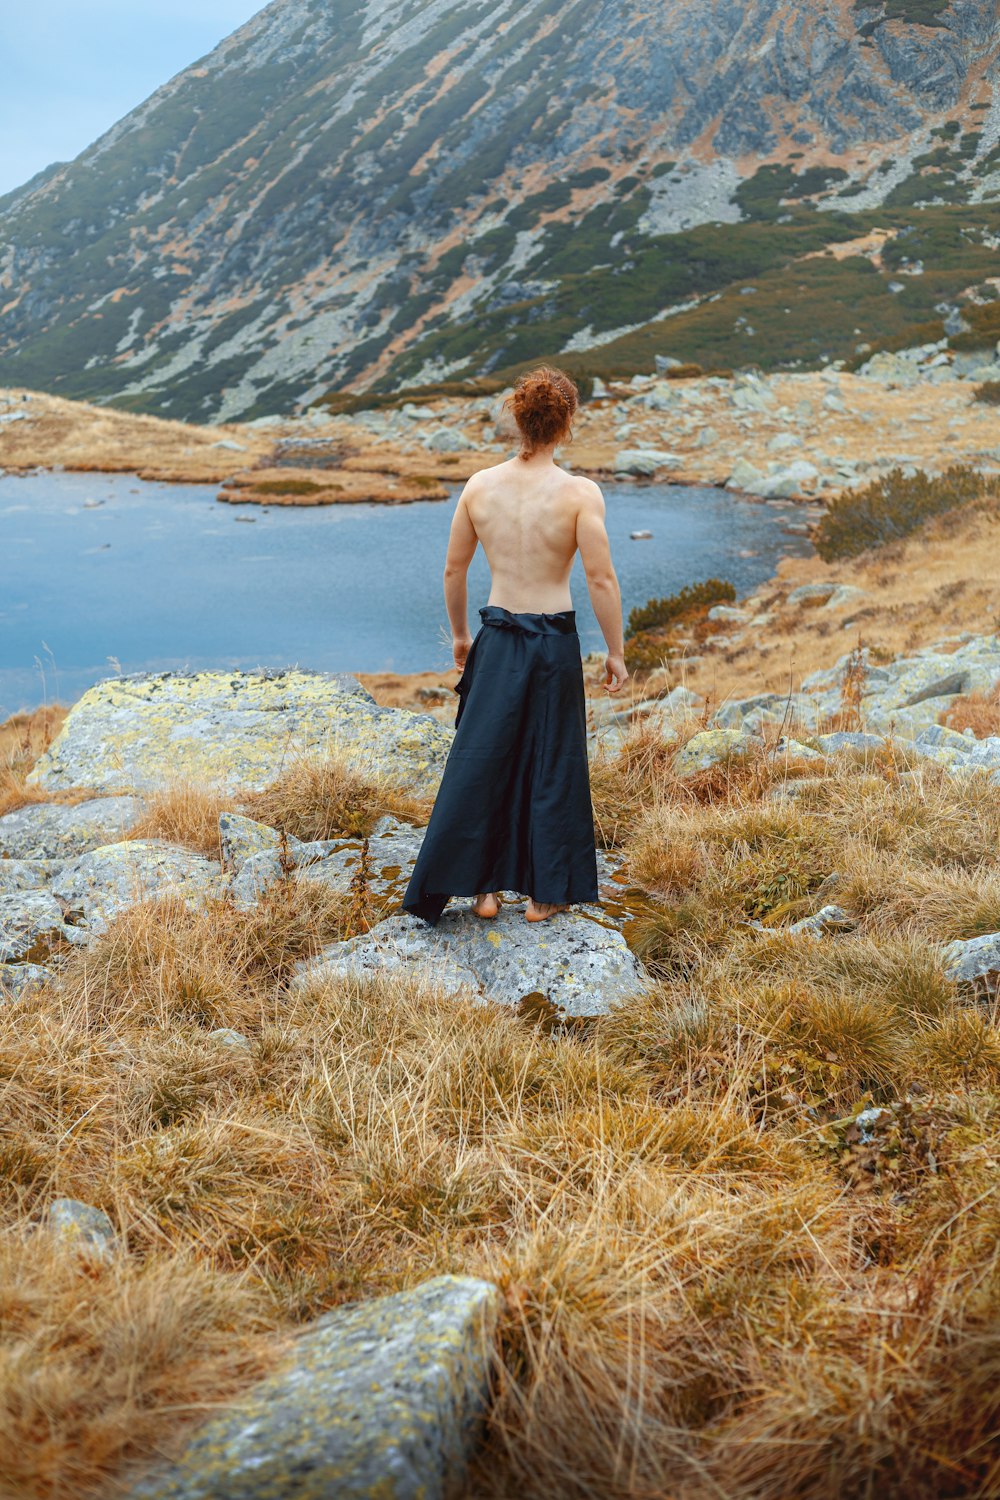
[[101, 572]]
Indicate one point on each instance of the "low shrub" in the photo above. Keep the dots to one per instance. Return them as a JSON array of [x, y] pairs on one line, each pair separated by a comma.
[[892, 507], [657, 613], [647, 651], [684, 372], [989, 393]]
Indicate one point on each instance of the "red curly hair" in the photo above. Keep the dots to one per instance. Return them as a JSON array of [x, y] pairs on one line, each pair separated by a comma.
[[543, 403]]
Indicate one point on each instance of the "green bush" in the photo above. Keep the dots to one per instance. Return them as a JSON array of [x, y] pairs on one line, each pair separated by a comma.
[[890, 508], [989, 393], [657, 613]]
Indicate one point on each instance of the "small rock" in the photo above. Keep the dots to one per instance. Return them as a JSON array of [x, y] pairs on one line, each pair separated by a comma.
[[868, 1119], [728, 613], [711, 746], [743, 476], [844, 593], [230, 445], [794, 750], [447, 440], [644, 462], [227, 1037], [828, 920], [848, 739], [88, 1228], [974, 961]]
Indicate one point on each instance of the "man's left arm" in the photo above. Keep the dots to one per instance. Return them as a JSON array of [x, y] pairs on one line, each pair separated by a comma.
[[462, 545]]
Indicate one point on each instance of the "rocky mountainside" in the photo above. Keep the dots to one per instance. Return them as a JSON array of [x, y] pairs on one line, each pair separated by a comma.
[[349, 193]]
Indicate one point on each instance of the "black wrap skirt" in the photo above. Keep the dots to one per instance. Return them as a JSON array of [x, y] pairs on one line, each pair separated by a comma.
[[513, 811]]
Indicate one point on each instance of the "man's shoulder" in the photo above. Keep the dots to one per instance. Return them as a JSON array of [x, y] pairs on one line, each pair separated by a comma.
[[485, 477], [585, 492]]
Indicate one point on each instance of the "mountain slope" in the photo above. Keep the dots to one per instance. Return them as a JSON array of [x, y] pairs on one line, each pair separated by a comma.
[[348, 192]]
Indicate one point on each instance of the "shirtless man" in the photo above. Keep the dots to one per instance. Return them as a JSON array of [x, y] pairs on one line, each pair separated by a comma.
[[532, 518]]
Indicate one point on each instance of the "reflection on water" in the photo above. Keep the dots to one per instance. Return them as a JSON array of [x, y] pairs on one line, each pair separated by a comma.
[[160, 576]]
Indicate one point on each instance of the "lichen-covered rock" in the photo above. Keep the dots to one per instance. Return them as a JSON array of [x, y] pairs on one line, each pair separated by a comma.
[[579, 966], [974, 960], [392, 852], [848, 739], [240, 838], [233, 729], [243, 841], [31, 925], [711, 746], [260, 858], [791, 749], [379, 1401], [19, 980], [53, 830], [946, 746], [26, 874], [98, 886], [85, 1227]]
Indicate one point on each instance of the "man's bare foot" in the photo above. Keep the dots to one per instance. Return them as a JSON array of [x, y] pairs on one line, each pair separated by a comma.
[[541, 911], [487, 905]]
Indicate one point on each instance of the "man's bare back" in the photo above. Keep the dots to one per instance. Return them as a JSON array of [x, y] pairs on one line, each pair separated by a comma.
[[532, 518], [526, 522]]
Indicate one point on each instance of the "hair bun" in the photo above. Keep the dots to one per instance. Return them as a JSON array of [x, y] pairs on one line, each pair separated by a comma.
[[543, 402]]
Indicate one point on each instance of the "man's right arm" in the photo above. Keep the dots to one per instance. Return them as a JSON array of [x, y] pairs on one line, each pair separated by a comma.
[[602, 581]]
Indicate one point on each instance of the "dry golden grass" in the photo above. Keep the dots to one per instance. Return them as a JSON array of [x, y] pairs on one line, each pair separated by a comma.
[[184, 814], [23, 738], [977, 712], [326, 798], [713, 1284]]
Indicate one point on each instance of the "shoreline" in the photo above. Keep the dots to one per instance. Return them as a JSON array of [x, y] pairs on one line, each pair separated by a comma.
[[796, 436]]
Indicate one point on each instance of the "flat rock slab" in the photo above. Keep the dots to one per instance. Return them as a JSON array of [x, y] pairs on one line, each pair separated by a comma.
[[233, 730], [580, 966], [98, 886], [53, 830], [380, 1399]]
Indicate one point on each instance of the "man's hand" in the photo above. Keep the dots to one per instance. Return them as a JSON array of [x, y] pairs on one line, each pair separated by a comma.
[[460, 650], [616, 674]]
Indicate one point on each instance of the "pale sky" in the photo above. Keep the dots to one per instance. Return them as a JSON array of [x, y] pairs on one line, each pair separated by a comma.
[[70, 68]]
